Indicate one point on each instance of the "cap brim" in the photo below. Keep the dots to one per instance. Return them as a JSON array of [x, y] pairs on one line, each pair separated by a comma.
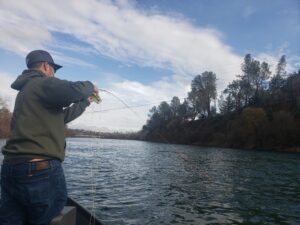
[[56, 66]]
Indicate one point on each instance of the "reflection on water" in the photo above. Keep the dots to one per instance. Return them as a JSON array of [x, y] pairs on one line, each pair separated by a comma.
[[149, 183], [133, 182]]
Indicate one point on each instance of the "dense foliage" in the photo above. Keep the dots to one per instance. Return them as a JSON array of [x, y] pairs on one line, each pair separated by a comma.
[[5, 117], [256, 110]]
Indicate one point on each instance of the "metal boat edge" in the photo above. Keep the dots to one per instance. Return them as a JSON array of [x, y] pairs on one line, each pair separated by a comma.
[[83, 216]]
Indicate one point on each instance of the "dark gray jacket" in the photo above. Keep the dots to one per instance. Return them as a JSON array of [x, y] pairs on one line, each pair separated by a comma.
[[42, 109]]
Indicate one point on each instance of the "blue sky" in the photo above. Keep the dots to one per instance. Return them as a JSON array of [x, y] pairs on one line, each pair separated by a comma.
[[145, 51], [247, 25]]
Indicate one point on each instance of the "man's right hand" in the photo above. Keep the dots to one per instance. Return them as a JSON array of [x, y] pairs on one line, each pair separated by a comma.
[[96, 90]]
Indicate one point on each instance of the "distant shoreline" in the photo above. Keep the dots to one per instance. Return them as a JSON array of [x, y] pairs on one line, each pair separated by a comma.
[[288, 150]]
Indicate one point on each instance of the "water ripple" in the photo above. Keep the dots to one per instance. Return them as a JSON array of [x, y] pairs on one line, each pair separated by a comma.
[[136, 182]]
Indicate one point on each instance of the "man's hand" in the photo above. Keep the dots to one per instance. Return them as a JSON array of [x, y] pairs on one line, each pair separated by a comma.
[[95, 98], [96, 90]]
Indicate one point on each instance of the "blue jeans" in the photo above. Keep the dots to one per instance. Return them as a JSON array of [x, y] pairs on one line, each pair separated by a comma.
[[31, 196]]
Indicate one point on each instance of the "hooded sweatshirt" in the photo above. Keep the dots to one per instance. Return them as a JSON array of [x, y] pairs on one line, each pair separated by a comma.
[[42, 109]]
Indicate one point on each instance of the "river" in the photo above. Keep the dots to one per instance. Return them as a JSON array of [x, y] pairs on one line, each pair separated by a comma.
[[135, 182]]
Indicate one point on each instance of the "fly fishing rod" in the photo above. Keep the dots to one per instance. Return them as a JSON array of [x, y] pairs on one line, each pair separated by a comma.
[[98, 100]]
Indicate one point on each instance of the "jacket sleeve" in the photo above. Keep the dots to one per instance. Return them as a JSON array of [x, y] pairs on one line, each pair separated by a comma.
[[62, 93], [75, 110]]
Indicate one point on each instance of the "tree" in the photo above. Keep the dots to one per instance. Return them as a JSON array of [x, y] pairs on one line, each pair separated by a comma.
[[203, 91], [164, 111], [281, 67], [209, 80], [265, 74], [226, 105], [154, 122], [246, 78], [248, 128], [186, 111], [195, 96], [284, 129], [152, 111], [278, 81], [251, 77], [235, 94], [254, 79], [5, 117], [292, 88], [2, 104], [175, 104]]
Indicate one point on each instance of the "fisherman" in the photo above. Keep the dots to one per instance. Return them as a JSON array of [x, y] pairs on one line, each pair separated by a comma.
[[33, 186]]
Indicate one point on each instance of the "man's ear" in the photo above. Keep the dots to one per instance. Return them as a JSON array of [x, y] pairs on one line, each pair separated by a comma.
[[44, 66]]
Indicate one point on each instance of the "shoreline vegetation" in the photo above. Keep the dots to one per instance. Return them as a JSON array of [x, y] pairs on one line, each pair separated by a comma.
[[79, 133], [258, 110]]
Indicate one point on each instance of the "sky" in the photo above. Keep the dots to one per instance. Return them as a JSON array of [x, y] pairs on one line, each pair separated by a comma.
[[144, 51]]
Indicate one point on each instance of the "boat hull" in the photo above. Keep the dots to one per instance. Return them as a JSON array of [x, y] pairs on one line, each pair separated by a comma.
[[83, 217]]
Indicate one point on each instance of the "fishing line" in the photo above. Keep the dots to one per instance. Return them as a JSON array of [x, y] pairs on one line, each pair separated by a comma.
[[93, 182], [142, 120], [120, 101], [92, 187], [120, 108], [179, 154], [126, 105]]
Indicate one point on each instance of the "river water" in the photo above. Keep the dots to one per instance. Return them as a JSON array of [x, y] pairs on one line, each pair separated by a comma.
[[135, 182]]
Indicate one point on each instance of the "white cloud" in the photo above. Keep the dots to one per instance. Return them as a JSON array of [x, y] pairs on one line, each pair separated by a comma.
[[119, 30], [20, 36], [133, 94], [272, 56], [70, 60]]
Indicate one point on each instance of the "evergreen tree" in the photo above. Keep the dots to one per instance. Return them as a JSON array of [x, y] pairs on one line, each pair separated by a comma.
[[165, 112], [235, 94], [186, 111], [203, 91], [250, 68], [5, 117], [175, 104], [278, 81], [265, 74], [281, 67]]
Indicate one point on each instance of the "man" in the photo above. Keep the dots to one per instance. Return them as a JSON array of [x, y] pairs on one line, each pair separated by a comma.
[[33, 188]]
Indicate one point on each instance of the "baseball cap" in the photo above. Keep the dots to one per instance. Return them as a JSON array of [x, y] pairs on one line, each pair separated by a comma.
[[41, 56]]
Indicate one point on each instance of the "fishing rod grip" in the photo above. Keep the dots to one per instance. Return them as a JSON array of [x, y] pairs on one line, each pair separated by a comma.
[[96, 98]]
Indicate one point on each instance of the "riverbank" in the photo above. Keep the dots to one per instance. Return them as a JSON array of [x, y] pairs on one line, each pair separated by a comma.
[[250, 128], [137, 136]]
